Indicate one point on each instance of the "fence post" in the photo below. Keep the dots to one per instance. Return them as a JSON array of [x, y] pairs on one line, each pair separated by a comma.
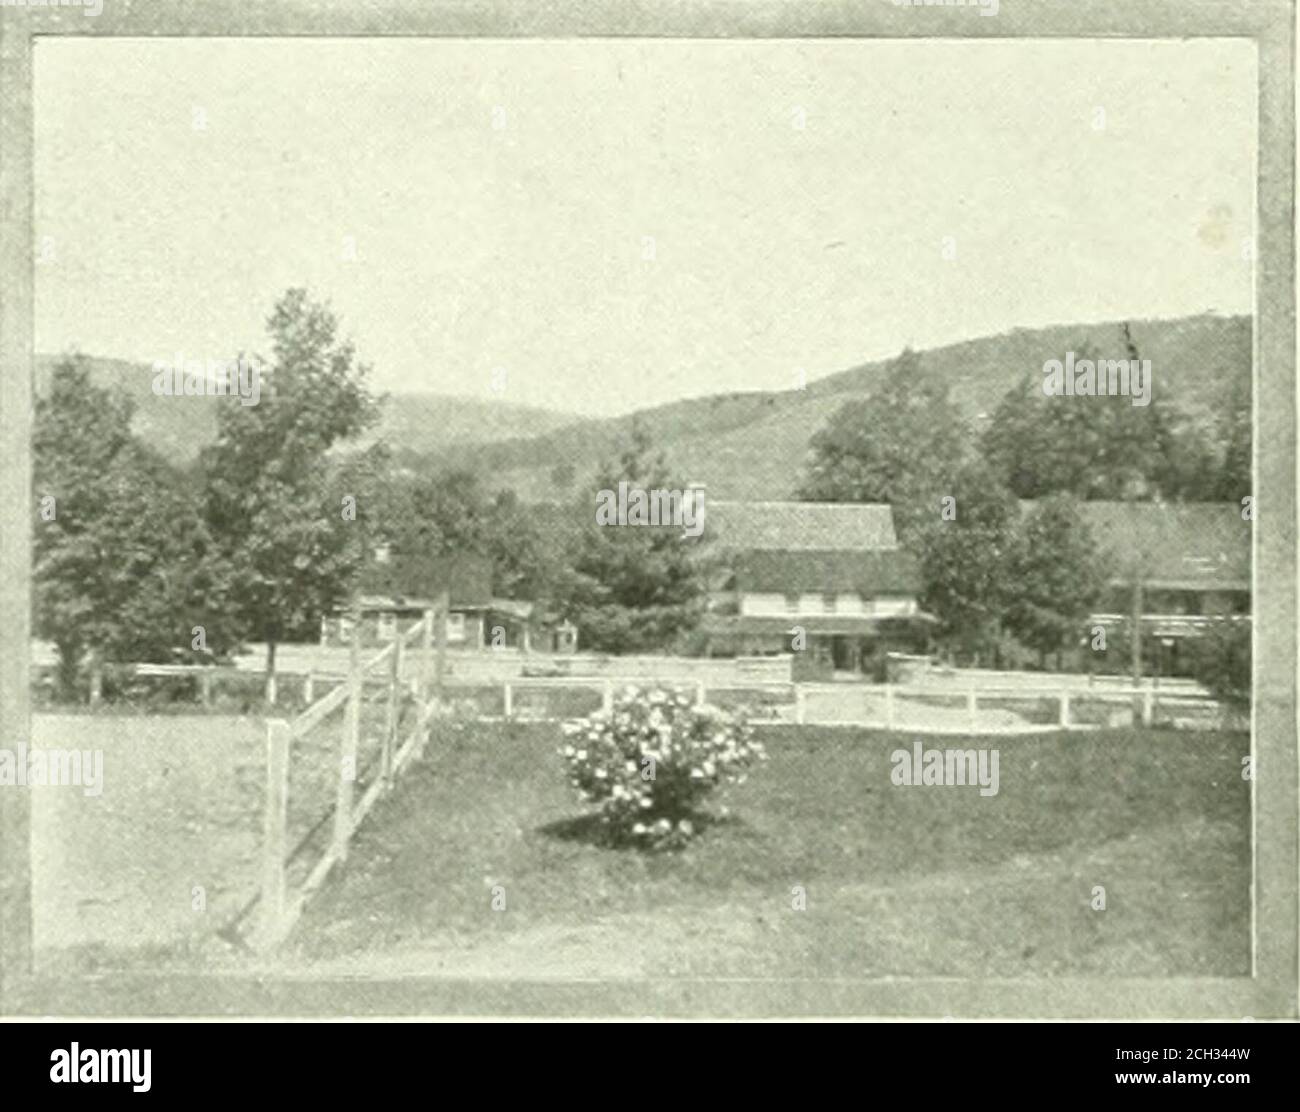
[[1064, 720], [309, 689], [426, 656], [799, 709], [607, 696], [507, 702], [1147, 707], [348, 743], [970, 706], [440, 663], [205, 687], [889, 706], [394, 714], [699, 693], [275, 830]]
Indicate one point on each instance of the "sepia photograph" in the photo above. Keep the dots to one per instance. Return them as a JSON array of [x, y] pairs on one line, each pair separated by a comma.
[[743, 512]]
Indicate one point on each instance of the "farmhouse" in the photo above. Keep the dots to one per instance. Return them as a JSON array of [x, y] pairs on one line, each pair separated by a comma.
[[1179, 566], [396, 594], [831, 575]]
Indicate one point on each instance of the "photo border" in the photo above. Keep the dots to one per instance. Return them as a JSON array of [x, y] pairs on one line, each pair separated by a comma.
[[1271, 990]]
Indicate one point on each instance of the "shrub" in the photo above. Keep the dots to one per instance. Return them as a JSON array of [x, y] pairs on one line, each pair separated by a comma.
[[650, 762]]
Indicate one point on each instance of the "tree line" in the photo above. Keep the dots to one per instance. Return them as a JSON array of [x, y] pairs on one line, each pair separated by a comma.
[[998, 574], [139, 559]]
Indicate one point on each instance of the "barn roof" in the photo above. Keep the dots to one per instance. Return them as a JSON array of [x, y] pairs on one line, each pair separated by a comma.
[[801, 526], [877, 573]]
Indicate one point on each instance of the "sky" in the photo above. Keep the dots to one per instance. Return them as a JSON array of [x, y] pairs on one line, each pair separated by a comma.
[[597, 226]]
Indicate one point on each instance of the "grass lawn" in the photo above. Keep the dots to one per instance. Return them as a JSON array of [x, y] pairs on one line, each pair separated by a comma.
[[899, 880]]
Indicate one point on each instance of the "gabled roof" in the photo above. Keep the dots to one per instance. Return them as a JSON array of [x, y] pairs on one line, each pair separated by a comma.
[[467, 576], [801, 526], [868, 573], [1176, 545]]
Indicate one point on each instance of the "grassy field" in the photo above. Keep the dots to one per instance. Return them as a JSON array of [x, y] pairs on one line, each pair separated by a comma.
[[899, 880]]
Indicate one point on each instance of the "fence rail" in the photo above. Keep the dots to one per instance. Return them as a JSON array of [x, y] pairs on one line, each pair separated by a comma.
[[406, 709], [985, 708]]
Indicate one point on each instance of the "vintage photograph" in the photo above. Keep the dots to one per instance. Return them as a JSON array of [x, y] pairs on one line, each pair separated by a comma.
[[634, 511]]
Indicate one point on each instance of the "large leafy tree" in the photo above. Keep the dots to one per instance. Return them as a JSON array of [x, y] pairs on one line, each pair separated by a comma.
[[426, 517], [1057, 574], [1095, 447], [968, 550], [124, 567], [1233, 434], [902, 445], [632, 588], [526, 554], [274, 497], [442, 514]]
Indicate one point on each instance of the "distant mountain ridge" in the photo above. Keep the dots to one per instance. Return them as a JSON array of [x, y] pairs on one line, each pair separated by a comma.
[[753, 446], [743, 446], [414, 423]]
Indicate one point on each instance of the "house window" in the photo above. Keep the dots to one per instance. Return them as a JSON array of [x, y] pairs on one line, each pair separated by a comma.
[[387, 625]]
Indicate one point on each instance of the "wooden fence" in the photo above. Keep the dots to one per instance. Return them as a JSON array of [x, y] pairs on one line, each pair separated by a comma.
[[208, 678], [915, 708], [280, 900], [922, 708]]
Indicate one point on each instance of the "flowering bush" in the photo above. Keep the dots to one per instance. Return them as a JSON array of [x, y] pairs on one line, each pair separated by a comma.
[[650, 761]]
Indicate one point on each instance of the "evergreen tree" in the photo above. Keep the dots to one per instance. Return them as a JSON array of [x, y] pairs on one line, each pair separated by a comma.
[[632, 588]]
